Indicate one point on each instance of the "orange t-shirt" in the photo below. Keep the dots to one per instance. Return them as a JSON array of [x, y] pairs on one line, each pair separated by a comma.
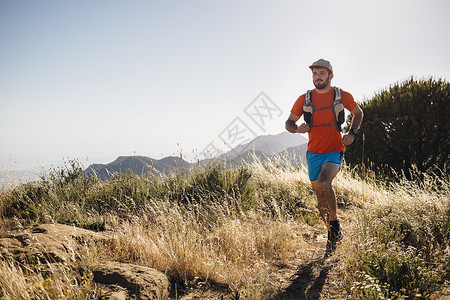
[[324, 139]]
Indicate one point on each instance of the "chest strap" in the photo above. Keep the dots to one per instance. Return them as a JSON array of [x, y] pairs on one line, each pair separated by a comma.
[[336, 105]]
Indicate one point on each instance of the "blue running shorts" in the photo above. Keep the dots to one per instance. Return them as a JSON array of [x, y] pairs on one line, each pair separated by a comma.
[[315, 162]]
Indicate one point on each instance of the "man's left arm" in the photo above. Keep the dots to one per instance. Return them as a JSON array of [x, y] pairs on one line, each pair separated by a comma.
[[357, 118]]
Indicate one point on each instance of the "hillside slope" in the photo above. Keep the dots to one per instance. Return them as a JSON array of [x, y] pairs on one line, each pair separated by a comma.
[[251, 232]]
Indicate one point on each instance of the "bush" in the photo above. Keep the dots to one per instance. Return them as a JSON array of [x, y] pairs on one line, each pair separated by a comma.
[[404, 242], [405, 127]]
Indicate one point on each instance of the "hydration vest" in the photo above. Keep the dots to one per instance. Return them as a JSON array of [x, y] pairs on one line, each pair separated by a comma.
[[337, 106]]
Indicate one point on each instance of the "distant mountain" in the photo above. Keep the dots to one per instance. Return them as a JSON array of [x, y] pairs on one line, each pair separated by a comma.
[[295, 156], [290, 146], [136, 164], [267, 144]]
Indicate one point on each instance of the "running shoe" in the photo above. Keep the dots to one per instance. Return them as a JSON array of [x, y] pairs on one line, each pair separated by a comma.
[[335, 231]]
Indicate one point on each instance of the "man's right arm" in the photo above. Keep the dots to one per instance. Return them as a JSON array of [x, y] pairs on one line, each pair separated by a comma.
[[292, 127]]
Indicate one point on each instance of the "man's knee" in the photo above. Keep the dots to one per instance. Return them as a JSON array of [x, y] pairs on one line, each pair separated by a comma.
[[323, 185]]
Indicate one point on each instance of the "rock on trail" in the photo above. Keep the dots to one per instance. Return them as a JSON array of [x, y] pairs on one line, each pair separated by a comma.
[[50, 248]]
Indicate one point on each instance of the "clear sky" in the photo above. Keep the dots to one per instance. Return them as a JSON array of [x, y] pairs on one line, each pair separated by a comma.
[[93, 80]]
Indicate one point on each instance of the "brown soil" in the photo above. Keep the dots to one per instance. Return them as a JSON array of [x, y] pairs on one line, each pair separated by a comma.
[[308, 278]]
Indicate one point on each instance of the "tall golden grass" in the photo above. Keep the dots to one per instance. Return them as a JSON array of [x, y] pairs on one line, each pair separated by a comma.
[[233, 226]]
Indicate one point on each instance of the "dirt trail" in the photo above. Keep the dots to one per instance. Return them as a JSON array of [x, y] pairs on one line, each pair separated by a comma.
[[311, 277], [301, 279], [308, 282]]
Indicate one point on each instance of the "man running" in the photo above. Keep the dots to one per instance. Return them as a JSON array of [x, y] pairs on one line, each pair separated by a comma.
[[326, 145]]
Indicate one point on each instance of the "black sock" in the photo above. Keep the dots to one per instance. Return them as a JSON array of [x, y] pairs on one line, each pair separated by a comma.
[[335, 227]]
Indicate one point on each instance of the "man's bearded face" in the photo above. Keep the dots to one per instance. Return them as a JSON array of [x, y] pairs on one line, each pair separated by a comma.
[[321, 78]]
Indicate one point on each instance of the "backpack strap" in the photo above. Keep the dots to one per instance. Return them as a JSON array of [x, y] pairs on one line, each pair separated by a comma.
[[338, 108], [337, 95], [308, 109]]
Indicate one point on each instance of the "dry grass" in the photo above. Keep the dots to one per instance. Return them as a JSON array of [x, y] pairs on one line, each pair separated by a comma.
[[236, 252], [232, 226], [398, 243], [22, 281]]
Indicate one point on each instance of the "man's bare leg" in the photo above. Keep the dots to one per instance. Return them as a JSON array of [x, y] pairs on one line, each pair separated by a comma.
[[326, 198]]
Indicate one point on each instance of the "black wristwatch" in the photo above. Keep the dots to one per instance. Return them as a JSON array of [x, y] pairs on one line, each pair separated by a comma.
[[353, 131]]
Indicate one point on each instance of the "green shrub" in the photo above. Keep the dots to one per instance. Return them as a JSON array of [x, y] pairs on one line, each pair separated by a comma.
[[407, 244], [403, 270]]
